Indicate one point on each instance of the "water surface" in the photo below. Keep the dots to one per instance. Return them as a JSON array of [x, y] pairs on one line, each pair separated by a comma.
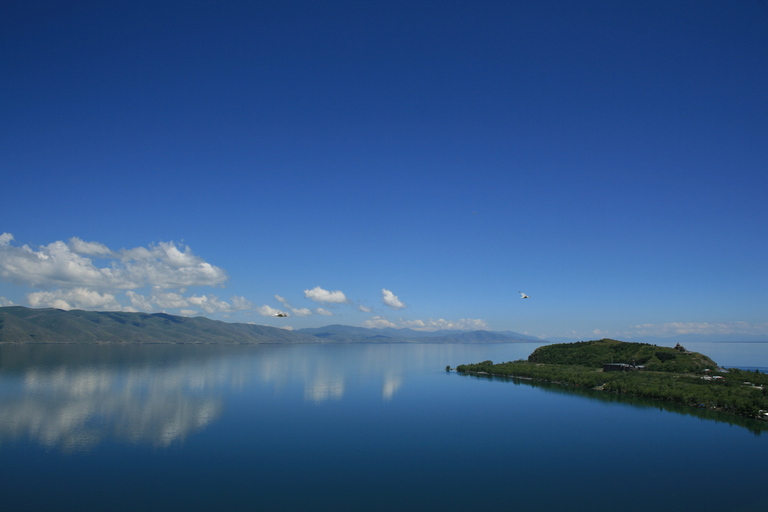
[[352, 427]]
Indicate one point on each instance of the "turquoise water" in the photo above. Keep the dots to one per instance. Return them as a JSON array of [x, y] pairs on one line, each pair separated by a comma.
[[353, 427]]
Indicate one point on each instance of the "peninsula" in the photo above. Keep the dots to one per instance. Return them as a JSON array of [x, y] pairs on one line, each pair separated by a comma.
[[642, 370]]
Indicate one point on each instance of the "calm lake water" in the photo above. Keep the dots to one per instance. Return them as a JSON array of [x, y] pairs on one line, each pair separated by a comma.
[[353, 427]]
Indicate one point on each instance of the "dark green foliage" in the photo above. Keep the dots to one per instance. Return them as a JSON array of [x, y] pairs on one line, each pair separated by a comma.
[[738, 392], [596, 353]]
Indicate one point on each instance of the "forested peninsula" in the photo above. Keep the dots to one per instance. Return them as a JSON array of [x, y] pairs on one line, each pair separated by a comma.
[[641, 370]]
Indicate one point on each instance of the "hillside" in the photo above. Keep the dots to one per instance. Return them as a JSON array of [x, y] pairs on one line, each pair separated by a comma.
[[598, 352], [24, 325]]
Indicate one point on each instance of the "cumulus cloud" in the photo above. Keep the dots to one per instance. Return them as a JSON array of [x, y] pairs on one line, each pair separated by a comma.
[[390, 299], [5, 302], [463, 324], [378, 322], [139, 302], [295, 311], [317, 294], [76, 298], [269, 311], [241, 303], [64, 264], [90, 248], [364, 309], [210, 304], [80, 274], [324, 312], [164, 299]]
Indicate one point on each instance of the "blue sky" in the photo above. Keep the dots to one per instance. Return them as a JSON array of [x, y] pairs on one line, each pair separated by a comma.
[[412, 164]]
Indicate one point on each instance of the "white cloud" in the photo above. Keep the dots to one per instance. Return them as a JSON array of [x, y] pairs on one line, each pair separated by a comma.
[[295, 311], [90, 248], [364, 309], [75, 298], [324, 312], [168, 300], [378, 322], [140, 302], [70, 279], [390, 299], [317, 294], [5, 302], [61, 264], [210, 304], [241, 303], [269, 311], [463, 324]]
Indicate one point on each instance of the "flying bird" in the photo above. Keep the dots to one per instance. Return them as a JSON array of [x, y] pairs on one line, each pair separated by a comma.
[[524, 296]]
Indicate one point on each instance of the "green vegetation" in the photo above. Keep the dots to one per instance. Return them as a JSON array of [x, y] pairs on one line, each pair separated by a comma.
[[594, 354], [670, 374]]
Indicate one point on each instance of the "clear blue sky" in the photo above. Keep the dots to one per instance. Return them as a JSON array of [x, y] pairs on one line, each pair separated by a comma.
[[391, 163]]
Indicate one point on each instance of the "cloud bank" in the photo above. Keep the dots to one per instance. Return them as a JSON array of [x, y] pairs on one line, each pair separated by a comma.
[[79, 274], [464, 324], [67, 265]]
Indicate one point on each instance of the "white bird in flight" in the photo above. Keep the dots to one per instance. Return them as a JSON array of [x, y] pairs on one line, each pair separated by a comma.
[[524, 296]]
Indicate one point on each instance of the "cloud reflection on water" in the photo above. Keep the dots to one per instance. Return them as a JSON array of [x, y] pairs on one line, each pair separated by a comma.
[[75, 397], [76, 408]]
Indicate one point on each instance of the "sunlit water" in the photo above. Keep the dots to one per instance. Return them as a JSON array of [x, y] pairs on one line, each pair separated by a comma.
[[353, 427]]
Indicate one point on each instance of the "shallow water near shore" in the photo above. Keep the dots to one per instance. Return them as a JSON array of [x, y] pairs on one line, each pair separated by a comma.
[[352, 427]]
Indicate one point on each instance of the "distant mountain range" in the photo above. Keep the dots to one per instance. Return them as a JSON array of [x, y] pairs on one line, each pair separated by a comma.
[[24, 325], [349, 334]]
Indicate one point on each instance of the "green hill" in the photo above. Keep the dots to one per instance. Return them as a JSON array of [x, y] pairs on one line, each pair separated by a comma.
[[598, 352], [659, 373]]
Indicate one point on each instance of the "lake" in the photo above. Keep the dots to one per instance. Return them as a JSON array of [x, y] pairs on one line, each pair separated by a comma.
[[353, 427]]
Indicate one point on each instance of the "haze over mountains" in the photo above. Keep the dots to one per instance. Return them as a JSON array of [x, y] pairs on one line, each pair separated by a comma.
[[24, 325]]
